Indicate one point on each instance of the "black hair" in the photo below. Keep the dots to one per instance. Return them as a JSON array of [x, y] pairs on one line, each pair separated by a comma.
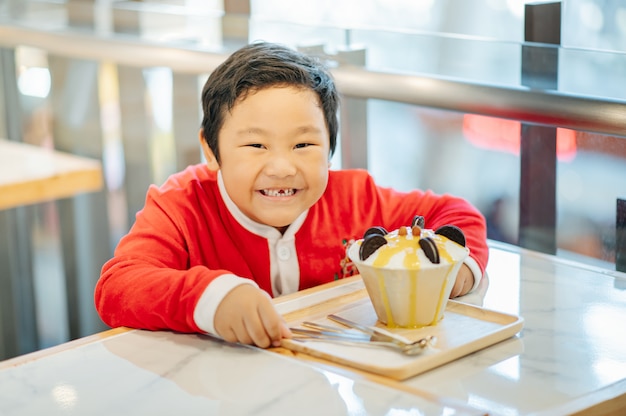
[[262, 65]]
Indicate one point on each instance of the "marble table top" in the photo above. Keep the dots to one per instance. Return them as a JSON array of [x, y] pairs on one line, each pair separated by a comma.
[[570, 357], [162, 373], [571, 354]]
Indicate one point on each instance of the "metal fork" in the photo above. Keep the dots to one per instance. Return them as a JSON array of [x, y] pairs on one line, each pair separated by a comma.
[[326, 333], [382, 335]]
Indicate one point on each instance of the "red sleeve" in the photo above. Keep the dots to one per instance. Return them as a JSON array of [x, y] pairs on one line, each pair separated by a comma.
[[153, 281]]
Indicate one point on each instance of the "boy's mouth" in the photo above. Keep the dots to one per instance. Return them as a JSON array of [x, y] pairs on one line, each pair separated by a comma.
[[279, 192]]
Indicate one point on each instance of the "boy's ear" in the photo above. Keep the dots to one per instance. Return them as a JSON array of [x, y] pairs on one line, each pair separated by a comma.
[[211, 161]]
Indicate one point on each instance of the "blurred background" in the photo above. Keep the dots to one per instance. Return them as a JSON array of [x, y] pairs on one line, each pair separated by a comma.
[[73, 79]]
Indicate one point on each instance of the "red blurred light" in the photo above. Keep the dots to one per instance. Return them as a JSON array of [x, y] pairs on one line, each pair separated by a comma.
[[505, 135]]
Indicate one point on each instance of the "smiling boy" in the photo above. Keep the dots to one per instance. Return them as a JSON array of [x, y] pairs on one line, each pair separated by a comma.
[[265, 216]]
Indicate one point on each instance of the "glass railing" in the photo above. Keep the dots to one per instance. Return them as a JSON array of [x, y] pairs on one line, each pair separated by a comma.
[[434, 111]]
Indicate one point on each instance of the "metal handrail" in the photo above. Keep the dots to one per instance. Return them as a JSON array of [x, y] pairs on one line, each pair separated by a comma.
[[549, 108]]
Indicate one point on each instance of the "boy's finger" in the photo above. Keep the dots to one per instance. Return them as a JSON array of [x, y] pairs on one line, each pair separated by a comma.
[[284, 330], [272, 322], [456, 289], [242, 333], [257, 332]]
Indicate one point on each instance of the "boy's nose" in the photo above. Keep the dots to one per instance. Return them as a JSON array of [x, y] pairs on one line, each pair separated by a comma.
[[280, 165]]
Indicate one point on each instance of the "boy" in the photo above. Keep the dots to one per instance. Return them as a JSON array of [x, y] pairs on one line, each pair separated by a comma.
[[265, 216]]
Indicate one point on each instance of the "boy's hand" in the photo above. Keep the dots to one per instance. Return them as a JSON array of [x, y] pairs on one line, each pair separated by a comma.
[[247, 315], [464, 282]]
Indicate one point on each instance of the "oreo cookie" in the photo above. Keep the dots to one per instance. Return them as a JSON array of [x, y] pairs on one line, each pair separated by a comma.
[[419, 221], [452, 232], [430, 249], [370, 244], [375, 231]]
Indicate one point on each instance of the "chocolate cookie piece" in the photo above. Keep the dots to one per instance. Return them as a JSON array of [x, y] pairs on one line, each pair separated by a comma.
[[452, 232], [370, 244], [375, 230], [430, 249], [419, 221]]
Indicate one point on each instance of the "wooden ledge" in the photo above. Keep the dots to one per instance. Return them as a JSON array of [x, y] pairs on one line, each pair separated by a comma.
[[31, 174]]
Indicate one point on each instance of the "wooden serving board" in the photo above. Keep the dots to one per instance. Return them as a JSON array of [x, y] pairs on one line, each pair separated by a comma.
[[463, 330]]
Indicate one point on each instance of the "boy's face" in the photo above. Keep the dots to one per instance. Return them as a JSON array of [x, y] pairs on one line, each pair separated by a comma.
[[274, 150]]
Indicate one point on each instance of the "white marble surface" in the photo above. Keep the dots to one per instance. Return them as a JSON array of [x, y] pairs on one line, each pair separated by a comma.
[[161, 373], [570, 355]]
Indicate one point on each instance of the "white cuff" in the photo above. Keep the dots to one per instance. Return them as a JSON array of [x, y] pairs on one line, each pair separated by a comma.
[[475, 268], [215, 292]]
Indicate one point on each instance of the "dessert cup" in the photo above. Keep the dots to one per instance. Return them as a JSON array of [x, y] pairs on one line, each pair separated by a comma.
[[410, 297]]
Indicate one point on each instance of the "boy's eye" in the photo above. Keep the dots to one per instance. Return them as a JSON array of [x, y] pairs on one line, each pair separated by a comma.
[[255, 145], [303, 145]]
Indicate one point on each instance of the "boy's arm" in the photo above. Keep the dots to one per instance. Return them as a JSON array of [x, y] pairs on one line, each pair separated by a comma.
[[152, 282], [441, 210], [148, 284], [231, 307], [137, 293]]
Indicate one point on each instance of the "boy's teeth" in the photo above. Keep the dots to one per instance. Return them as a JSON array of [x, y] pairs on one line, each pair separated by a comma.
[[278, 192]]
